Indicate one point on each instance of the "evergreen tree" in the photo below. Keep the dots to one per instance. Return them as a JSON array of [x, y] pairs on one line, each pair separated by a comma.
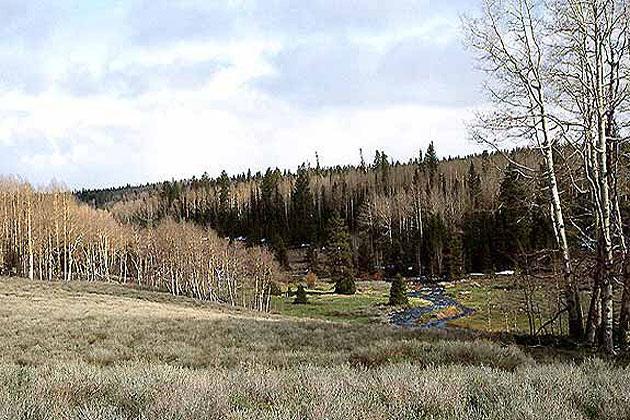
[[300, 296], [453, 257], [224, 209], [365, 255], [541, 234], [302, 206], [433, 242], [397, 294], [346, 286], [312, 259], [339, 250], [431, 160], [272, 204], [274, 289], [362, 164], [478, 240], [280, 251], [478, 227], [512, 218], [377, 159], [474, 186], [485, 161], [382, 172]]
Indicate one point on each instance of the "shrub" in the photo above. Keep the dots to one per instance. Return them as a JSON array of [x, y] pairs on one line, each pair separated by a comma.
[[397, 294], [300, 296], [311, 280], [345, 286]]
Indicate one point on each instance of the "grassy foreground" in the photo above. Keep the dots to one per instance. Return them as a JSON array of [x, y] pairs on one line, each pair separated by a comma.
[[96, 351]]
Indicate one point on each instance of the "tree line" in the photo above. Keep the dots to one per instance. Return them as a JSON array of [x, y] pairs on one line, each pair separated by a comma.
[[422, 217]]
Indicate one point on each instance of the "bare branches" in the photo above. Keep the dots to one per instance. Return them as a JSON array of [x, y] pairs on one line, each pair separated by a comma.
[[48, 235]]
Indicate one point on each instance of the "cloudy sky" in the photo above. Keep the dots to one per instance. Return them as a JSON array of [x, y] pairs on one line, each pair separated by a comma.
[[108, 92]]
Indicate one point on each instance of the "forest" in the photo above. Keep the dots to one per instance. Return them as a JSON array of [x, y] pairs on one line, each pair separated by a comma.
[[426, 216]]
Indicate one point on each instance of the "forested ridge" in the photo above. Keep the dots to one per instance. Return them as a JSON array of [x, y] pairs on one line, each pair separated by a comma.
[[428, 216]]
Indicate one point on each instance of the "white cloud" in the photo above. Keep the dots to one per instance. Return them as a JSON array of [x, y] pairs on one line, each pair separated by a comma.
[[115, 99]]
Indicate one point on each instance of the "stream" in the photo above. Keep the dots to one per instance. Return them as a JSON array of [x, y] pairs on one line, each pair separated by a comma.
[[435, 294]]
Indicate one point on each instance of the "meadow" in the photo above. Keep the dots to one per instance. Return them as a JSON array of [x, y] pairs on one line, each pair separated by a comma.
[[79, 350], [367, 306], [499, 304]]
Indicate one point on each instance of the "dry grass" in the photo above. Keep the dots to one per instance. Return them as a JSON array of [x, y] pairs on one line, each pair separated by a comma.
[[108, 324], [94, 351], [137, 391]]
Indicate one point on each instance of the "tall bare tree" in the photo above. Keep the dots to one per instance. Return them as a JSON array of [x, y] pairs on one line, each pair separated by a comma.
[[508, 43], [591, 78]]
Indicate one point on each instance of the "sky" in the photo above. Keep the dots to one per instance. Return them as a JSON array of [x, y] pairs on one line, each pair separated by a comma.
[[97, 93]]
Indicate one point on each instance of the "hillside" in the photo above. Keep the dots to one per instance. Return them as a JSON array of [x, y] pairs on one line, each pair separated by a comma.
[[422, 216], [80, 350]]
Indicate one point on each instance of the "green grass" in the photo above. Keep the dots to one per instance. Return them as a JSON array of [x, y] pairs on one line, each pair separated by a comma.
[[499, 304], [105, 352], [367, 306]]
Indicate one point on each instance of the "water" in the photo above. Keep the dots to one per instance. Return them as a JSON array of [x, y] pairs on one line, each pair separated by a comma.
[[435, 294]]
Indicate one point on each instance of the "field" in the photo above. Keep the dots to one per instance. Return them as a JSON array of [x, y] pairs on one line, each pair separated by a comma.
[[498, 304], [102, 351], [367, 306]]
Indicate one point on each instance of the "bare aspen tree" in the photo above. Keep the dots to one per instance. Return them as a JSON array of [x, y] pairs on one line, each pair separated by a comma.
[[508, 42], [28, 197], [591, 78], [49, 234]]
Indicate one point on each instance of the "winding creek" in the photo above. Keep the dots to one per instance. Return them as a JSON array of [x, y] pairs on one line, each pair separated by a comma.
[[436, 294]]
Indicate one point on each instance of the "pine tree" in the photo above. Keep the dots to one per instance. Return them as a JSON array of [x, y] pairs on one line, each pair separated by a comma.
[[384, 169], [300, 296], [312, 259], [377, 159], [346, 286], [431, 160], [479, 240], [453, 257], [474, 186], [397, 294], [302, 205], [362, 164], [541, 234], [224, 209], [433, 242], [339, 250], [272, 204], [280, 251], [512, 218], [485, 161]]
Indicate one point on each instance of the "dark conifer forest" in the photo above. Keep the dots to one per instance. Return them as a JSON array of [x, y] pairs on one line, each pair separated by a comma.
[[426, 216]]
